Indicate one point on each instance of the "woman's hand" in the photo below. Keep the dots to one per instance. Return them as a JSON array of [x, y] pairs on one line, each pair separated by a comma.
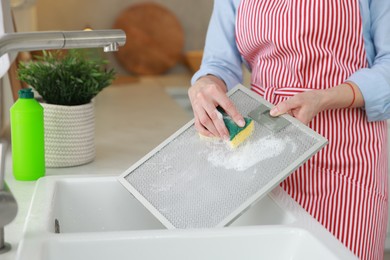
[[305, 106], [206, 95]]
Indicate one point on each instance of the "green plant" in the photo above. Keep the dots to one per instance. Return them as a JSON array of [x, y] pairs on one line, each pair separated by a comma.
[[66, 79]]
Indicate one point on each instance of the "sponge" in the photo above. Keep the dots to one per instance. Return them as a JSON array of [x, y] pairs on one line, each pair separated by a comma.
[[238, 134]]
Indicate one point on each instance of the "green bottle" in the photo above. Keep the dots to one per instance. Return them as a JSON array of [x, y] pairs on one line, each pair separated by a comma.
[[27, 137]]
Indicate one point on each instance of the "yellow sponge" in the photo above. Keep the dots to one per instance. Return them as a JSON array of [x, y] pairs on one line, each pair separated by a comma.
[[238, 134]]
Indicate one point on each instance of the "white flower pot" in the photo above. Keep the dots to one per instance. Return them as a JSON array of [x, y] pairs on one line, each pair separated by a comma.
[[69, 134]]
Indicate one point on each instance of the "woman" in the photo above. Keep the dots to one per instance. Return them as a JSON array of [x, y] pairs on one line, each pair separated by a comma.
[[327, 63]]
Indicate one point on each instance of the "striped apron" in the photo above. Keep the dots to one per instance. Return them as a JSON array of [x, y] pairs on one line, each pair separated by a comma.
[[295, 46]]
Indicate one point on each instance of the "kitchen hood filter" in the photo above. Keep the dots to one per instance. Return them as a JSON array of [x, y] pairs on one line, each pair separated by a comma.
[[187, 182]]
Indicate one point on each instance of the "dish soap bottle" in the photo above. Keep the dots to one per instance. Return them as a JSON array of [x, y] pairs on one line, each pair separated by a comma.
[[27, 137]]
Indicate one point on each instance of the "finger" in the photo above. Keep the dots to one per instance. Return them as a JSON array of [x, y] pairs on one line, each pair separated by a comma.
[[199, 115], [218, 122], [206, 122], [282, 108], [201, 129], [203, 111], [229, 107]]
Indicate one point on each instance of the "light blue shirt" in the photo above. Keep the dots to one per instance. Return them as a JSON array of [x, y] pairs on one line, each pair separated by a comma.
[[222, 58]]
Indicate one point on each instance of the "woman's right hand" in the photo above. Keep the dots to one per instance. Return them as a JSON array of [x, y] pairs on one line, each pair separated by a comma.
[[206, 95]]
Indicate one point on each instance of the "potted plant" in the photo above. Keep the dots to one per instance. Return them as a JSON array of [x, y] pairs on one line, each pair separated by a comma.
[[67, 84]]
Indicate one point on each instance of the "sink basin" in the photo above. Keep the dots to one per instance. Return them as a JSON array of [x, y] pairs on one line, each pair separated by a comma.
[[97, 218], [80, 205]]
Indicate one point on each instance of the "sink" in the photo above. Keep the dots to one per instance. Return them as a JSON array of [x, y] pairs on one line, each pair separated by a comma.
[[80, 205], [97, 218]]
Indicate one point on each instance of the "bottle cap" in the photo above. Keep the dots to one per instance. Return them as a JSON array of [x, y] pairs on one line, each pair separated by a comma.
[[26, 93]]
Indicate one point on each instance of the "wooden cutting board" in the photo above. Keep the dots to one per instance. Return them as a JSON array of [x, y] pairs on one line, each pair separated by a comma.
[[155, 39]]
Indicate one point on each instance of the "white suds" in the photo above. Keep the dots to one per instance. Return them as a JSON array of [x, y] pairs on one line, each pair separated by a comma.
[[248, 154]]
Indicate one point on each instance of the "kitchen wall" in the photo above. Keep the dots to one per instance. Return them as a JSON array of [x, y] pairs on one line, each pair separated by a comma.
[[100, 14]]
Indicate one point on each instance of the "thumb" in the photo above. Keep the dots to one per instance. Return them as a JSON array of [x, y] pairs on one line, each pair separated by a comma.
[[280, 109]]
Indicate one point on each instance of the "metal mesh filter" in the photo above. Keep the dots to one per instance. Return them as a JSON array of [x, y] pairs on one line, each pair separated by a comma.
[[187, 182]]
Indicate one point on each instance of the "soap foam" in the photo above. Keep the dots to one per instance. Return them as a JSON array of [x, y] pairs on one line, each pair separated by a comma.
[[249, 154]]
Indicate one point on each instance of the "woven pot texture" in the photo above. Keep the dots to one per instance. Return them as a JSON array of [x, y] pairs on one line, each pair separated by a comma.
[[69, 134]]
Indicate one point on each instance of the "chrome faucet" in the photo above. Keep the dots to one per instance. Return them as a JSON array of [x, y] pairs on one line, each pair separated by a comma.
[[109, 40], [8, 206]]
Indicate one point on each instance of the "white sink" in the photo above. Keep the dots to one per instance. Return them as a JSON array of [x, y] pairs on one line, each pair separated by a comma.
[[99, 219]]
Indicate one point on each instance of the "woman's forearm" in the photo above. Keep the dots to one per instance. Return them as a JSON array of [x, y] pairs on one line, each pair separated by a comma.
[[342, 96]]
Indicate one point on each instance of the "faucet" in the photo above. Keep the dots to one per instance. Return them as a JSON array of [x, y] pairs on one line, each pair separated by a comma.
[[109, 40], [8, 205]]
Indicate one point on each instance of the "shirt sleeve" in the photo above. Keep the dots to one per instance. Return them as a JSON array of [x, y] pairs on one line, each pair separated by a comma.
[[374, 82], [221, 57]]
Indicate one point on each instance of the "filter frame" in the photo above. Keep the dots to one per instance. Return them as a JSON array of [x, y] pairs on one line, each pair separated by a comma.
[[276, 180]]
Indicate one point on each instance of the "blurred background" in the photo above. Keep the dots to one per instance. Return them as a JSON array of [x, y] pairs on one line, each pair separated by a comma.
[[164, 43], [193, 16]]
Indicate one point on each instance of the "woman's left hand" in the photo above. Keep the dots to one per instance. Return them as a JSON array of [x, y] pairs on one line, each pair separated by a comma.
[[303, 106]]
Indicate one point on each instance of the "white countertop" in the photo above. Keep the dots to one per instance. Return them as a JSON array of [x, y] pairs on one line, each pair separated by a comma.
[[131, 120]]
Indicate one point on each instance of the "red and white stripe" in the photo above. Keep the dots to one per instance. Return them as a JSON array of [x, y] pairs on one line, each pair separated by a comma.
[[295, 46]]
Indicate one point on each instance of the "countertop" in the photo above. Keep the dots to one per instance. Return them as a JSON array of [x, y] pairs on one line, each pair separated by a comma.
[[131, 120]]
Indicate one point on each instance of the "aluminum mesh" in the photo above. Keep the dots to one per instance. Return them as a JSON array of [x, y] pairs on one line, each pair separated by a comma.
[[195, 183]]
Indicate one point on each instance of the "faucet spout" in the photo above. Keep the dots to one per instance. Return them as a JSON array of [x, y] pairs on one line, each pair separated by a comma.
[[32, 41], [94, 39], [111, 47]]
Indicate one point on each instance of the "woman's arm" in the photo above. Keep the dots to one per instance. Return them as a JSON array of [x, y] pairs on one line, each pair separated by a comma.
[[221, 56], [374, 82], [220, 71], [369, 87]]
